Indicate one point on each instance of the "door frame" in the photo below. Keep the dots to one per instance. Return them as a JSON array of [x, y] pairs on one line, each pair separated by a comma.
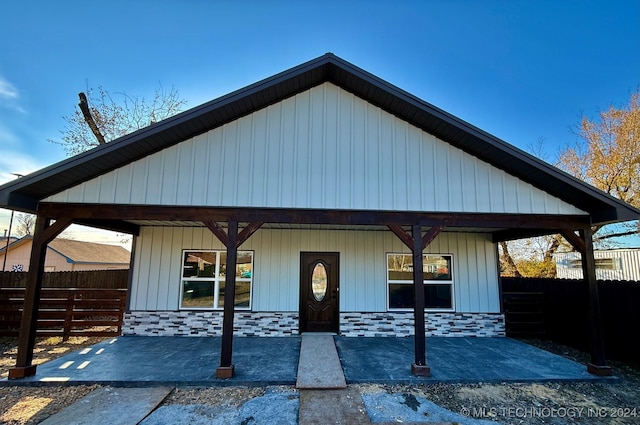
[[302, 326]]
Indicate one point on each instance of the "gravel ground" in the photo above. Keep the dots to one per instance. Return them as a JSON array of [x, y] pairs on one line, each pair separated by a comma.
[[616, 402], [24, 405]]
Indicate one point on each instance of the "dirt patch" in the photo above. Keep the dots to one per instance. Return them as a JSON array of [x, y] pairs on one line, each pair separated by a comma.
[[219, 397], [31, 405]]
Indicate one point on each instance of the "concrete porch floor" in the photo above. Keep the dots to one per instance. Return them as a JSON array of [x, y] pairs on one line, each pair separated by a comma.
[[134, 361]]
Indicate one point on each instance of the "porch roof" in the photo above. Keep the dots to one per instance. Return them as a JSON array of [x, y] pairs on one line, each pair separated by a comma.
[[26, 193]]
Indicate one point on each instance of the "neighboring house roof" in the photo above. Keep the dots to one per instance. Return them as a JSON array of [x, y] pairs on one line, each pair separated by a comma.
[[25, 193], [80, 252], [16, 243]]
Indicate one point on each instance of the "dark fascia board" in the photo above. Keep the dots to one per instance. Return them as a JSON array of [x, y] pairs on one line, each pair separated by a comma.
[[25, 193]]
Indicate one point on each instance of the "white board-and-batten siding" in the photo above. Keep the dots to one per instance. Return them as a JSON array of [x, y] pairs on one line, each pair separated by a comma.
[[276, 267], [324, 148]]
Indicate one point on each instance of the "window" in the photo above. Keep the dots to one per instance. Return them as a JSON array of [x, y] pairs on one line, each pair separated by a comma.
[[438, 281], [203, 279]]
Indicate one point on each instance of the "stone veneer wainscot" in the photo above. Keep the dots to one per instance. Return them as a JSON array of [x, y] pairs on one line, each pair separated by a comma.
[[386, 324]]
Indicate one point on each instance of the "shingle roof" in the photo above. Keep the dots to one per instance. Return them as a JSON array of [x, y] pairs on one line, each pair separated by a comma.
[[24, 194], [82, 252], [90, 252]]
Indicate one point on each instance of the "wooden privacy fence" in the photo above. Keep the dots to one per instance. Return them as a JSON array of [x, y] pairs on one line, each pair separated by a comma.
[[558, 309], [66, 311], [94, 279]]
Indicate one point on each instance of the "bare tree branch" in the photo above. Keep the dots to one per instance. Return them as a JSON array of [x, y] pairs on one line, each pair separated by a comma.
[[114, 117], [86, 112]]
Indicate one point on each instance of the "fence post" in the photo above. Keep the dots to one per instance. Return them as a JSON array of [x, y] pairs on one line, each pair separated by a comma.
[[68, 315], [122, 297]]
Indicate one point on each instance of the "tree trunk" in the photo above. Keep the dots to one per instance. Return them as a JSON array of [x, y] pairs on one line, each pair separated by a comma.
[[510, 268]]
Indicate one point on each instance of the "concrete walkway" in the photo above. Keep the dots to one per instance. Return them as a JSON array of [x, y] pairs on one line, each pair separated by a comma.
[[319, 366], [340, 407], [113, 406], [322, 385]]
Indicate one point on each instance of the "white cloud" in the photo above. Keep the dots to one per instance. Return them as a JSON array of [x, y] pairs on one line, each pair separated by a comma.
[[89, 234], [7, 90], [16, 162], [9, 96]]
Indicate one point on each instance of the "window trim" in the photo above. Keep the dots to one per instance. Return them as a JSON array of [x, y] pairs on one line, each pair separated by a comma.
[[216, 280], [451, 282]]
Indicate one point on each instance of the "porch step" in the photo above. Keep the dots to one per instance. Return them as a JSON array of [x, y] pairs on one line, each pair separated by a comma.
[[319, 366]]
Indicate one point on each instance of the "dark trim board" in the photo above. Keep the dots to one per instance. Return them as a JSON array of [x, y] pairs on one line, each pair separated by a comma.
[[114, 212]]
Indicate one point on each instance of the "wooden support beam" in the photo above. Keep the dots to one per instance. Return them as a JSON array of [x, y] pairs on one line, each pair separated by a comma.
[[226, 368], [112, 225], [419, 367], [576, 241], [417, 242], [431, 234], [402, 235], [53, 230], [232, 240], [311, 216], [132, 259], [43, 234], [521, 233], [598, 364], [407, 239], [218, 232], [246, 233]]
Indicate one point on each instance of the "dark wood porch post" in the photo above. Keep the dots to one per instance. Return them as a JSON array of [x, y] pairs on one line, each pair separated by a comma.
[[598, 365], [226, 367], [419, 367], [42, 235]]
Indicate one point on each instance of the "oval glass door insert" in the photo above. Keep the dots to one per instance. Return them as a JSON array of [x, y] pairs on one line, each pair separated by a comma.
[[319, 282]]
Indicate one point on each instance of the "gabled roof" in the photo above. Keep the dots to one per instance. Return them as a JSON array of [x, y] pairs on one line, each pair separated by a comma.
[[25, 193], [80, 252]]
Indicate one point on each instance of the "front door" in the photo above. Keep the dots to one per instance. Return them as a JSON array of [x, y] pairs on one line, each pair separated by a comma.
[[319, 292]]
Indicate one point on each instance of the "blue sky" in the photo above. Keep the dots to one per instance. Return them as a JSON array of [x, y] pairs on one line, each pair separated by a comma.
[[522, 70]]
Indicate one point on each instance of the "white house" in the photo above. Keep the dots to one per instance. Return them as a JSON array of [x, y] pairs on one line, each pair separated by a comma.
[[611, 264], [322, 187]]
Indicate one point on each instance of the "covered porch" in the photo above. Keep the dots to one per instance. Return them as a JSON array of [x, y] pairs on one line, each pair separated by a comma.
[[324, 146], [234, 226]]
